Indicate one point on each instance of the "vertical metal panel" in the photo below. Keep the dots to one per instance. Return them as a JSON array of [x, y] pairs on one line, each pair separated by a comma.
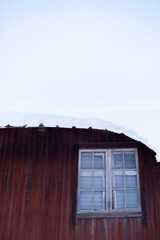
[[38, 187]]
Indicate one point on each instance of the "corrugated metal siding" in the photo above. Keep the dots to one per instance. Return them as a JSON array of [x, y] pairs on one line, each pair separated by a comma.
[[38, 187]]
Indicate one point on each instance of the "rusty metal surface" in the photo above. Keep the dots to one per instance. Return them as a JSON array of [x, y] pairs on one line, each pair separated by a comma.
[[38, 187]]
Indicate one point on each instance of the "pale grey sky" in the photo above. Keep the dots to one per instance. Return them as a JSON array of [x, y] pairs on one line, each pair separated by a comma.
[[82, 58]]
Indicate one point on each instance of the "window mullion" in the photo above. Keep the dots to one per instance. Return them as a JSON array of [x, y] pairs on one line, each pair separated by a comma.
[[109, 180], [105, 180], [79, 168], [138, 181], [92, 180], [124, 182]]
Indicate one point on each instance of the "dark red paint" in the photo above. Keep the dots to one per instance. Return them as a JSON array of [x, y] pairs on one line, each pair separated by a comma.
[[38, 187]]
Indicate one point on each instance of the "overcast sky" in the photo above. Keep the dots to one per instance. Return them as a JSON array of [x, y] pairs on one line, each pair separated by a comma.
[[82, 58]]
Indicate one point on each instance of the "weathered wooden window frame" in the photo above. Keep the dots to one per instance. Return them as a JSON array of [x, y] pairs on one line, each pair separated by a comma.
[[108, 211]]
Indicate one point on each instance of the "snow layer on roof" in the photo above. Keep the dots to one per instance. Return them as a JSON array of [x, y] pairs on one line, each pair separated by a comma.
[[51, 120]]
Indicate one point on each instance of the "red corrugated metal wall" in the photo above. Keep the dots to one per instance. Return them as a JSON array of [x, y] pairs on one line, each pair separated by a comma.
[[38, 187]]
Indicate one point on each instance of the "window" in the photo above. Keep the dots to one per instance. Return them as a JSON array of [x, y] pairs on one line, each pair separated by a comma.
[[108, 182]]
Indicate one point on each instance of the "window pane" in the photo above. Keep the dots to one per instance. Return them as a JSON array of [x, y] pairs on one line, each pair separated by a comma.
[[85, 200], [99, 179], [118, 199], [118, 179], [86, 182], [98, 200], [86, 161], [98, 162], [132, 198], [98, 182], [131, 181], [130, 160], [117, 160]]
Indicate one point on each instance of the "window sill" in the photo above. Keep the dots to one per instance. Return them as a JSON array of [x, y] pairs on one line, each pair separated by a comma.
[[109, 214]]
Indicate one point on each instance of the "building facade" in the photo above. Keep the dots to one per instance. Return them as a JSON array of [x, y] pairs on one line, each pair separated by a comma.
[[76, 184]]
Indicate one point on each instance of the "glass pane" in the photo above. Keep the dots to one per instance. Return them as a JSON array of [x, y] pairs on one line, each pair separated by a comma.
[[85, 200], [86, 182], [118, 199], [118, 179], [98, 200], [86, 161], [130, 160], [98, 182], [99, 179], [131, 181], [98, 162], [117, 160], [132, 198]]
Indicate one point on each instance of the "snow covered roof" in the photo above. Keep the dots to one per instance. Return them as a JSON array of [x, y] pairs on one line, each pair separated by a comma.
[[50, 120]]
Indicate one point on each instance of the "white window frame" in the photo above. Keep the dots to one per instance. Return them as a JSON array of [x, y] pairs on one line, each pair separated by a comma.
[[109, 211]]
